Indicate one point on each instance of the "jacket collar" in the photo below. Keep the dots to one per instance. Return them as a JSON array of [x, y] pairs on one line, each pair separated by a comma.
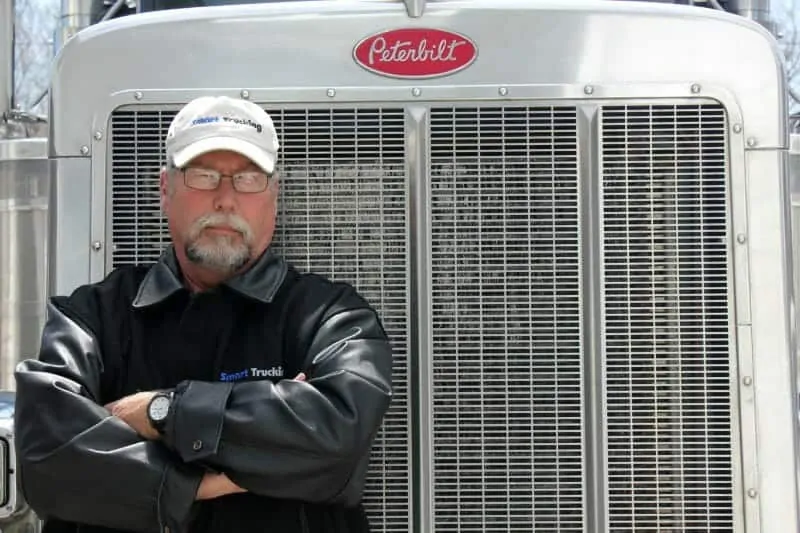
[[260, 282]]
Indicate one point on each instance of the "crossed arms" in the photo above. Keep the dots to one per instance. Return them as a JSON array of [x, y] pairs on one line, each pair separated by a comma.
[[298, 438]]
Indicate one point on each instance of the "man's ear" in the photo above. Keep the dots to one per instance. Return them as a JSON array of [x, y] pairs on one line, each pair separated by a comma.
[[275, 185], [164, 187]]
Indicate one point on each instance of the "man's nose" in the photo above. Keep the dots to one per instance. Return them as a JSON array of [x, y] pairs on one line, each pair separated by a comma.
[[225, 197]]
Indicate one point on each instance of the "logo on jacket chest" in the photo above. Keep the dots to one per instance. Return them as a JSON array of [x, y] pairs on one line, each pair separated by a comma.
[[275, 371]]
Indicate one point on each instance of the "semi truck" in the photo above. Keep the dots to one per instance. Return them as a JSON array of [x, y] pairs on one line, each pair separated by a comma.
[[575, 219]]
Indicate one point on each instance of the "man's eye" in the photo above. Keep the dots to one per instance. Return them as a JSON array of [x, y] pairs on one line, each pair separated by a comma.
[[247, 177], [202, 175]]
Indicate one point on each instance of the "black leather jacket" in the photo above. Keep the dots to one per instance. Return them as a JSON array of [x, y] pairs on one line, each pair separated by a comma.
[[230, 355]]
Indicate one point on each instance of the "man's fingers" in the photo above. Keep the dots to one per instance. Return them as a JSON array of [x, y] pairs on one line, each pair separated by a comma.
[[300, 377]]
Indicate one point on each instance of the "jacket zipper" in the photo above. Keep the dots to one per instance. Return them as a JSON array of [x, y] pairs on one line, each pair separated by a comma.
[[303, 519]]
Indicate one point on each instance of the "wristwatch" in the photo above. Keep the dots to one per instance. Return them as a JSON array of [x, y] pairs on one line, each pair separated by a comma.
[[158, 410]]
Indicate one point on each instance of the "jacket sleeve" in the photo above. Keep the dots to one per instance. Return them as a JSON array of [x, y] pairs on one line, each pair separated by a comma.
[[77, 462], [299, 440]]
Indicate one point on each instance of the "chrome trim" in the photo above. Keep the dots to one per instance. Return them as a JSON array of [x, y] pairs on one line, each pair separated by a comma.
[[421, 343], [591, 279]]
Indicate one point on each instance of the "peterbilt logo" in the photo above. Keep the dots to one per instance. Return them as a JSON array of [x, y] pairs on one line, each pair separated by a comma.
[[415, 53]]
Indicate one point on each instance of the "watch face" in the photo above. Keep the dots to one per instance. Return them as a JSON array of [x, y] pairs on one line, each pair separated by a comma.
[[159, 408]]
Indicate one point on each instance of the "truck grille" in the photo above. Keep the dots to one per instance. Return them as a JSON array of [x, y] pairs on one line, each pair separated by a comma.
[[667, 330], [508, 436], [342, 214], [513, 304]]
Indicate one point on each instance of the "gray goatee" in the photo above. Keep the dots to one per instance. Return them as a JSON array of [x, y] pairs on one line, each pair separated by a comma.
[[220, 253]]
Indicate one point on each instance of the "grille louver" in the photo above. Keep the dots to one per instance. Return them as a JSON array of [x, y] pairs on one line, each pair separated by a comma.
[[667, 330], [507, 423], [342, 214]]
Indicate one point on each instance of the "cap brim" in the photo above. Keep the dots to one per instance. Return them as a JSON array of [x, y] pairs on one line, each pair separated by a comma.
[[255, 154]]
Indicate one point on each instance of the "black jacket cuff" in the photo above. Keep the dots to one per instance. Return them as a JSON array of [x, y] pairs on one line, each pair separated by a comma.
[[194, 426]]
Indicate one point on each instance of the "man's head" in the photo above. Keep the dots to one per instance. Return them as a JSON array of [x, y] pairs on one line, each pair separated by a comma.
[[219, 190]]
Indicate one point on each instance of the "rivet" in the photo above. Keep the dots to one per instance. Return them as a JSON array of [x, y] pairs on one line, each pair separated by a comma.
[[196, 445], [84, 150], [751, 142], [138, 95], [245, 94], [752, 493], [331, 92], [737, 128], [97, 245], [741, 238], [696, 88], [747, 380], [98, 135], [503, 91], [416, 92], [588, 89]]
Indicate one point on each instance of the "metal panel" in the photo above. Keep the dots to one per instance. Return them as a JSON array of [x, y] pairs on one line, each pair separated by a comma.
[[342, 214], [24, 189], [69, 250], [685, 56], [773, 484], [794, 192], [508, 396], [667, 325]]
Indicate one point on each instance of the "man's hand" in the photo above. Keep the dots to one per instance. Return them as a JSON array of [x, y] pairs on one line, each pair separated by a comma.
[[133, 411], [216, 485]]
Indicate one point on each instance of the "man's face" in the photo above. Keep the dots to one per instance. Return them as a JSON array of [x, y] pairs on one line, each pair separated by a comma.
[[220, 229]]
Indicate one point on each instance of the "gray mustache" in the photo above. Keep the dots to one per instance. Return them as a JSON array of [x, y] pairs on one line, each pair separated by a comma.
[[218, 219]]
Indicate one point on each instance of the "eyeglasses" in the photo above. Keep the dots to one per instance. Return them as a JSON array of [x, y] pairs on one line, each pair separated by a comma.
[[205, 179]]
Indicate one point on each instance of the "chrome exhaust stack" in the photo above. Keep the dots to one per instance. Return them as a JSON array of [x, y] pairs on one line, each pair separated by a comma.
[[6, 56], [415, 8]]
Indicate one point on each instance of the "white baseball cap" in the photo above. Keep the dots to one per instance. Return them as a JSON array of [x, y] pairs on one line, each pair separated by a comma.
[[212, 123]]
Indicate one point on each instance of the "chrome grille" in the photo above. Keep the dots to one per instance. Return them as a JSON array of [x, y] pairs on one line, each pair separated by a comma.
[[138, 231], [667, 330], [342, 214], [507, 416], [509, 364]]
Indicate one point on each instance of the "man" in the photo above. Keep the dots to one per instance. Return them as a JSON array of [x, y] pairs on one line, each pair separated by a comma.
[[218, 390]]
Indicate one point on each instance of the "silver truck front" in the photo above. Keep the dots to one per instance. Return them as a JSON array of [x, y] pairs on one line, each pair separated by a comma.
[[572, 216]]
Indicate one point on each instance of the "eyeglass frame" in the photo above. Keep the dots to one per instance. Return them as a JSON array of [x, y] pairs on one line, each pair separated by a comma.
[[221, 176]]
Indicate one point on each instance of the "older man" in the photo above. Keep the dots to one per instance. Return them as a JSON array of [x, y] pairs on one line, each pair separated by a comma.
[[219, 390]]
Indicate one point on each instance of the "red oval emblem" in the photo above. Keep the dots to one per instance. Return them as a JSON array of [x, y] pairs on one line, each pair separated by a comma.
[[415, 53]]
